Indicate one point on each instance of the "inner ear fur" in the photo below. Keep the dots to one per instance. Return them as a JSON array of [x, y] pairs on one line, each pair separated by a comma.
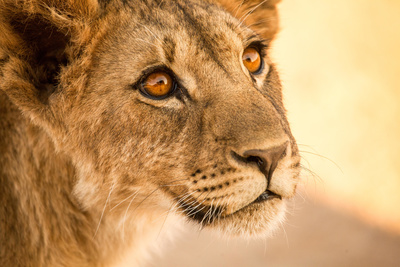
[[44, 48], [259, 15], [37, 39]]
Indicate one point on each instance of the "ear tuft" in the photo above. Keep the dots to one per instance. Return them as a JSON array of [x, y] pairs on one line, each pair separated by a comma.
[[259, 15]]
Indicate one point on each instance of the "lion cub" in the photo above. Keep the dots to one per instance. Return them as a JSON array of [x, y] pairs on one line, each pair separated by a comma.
[[119, 115]]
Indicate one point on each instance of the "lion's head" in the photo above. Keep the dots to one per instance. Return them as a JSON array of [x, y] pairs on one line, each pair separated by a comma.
[[161, 105]]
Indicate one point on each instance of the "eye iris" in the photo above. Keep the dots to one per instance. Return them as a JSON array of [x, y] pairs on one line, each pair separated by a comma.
[[252, 60], [158, 84]]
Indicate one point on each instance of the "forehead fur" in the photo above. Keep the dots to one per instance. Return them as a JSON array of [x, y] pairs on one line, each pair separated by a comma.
[[162, 31], [171, 34]]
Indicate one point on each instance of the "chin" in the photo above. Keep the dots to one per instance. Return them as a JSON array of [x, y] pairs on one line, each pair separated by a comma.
[[256, 220]]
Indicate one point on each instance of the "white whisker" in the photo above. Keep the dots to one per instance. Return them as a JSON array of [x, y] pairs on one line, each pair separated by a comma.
[[104, 208], [249, 13], [152, 33], [126, 212], [238, 8], [122, 201], [147, 42]]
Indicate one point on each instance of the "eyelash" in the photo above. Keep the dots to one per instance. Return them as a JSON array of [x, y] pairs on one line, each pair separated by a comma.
[[261, 46]]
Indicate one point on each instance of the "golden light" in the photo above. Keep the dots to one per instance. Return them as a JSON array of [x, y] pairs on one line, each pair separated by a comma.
[[340, 66]]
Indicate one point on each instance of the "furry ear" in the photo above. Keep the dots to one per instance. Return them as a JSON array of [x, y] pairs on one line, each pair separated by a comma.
[[36, 41], [259, 15]]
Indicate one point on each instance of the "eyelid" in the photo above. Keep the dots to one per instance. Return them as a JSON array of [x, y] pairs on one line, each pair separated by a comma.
[[256, 40], [260, 45]]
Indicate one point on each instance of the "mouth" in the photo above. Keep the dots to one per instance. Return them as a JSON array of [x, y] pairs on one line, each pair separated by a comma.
[[265, 196]]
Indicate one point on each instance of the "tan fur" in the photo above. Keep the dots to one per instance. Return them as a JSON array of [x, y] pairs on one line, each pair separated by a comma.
[[91, 170]]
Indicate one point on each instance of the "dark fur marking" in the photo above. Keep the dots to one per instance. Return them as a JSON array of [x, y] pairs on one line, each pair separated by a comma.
[[182, 93], [169, 48], [3, 62], [206, 41], [295, 165]]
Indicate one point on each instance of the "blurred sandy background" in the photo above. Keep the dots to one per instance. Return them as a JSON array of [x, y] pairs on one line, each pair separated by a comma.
[[340, 66], [340, 63]]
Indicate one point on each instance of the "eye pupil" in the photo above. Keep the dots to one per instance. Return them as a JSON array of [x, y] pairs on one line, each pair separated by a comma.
[[158, 84], [249, 59], [252, 60]]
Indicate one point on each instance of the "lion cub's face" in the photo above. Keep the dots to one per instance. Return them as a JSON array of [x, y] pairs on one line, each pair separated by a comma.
[[182, 111]]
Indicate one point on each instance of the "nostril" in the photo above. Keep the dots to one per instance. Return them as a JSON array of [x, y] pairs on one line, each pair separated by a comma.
[[267, 160], [255, 159], [248, 159]]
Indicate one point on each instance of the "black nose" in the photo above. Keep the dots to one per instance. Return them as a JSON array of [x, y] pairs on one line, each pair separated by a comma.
[[267, 160]]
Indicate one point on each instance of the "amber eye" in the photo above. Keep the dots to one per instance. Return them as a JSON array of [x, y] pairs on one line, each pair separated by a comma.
[[252, 60], [158, 85]]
